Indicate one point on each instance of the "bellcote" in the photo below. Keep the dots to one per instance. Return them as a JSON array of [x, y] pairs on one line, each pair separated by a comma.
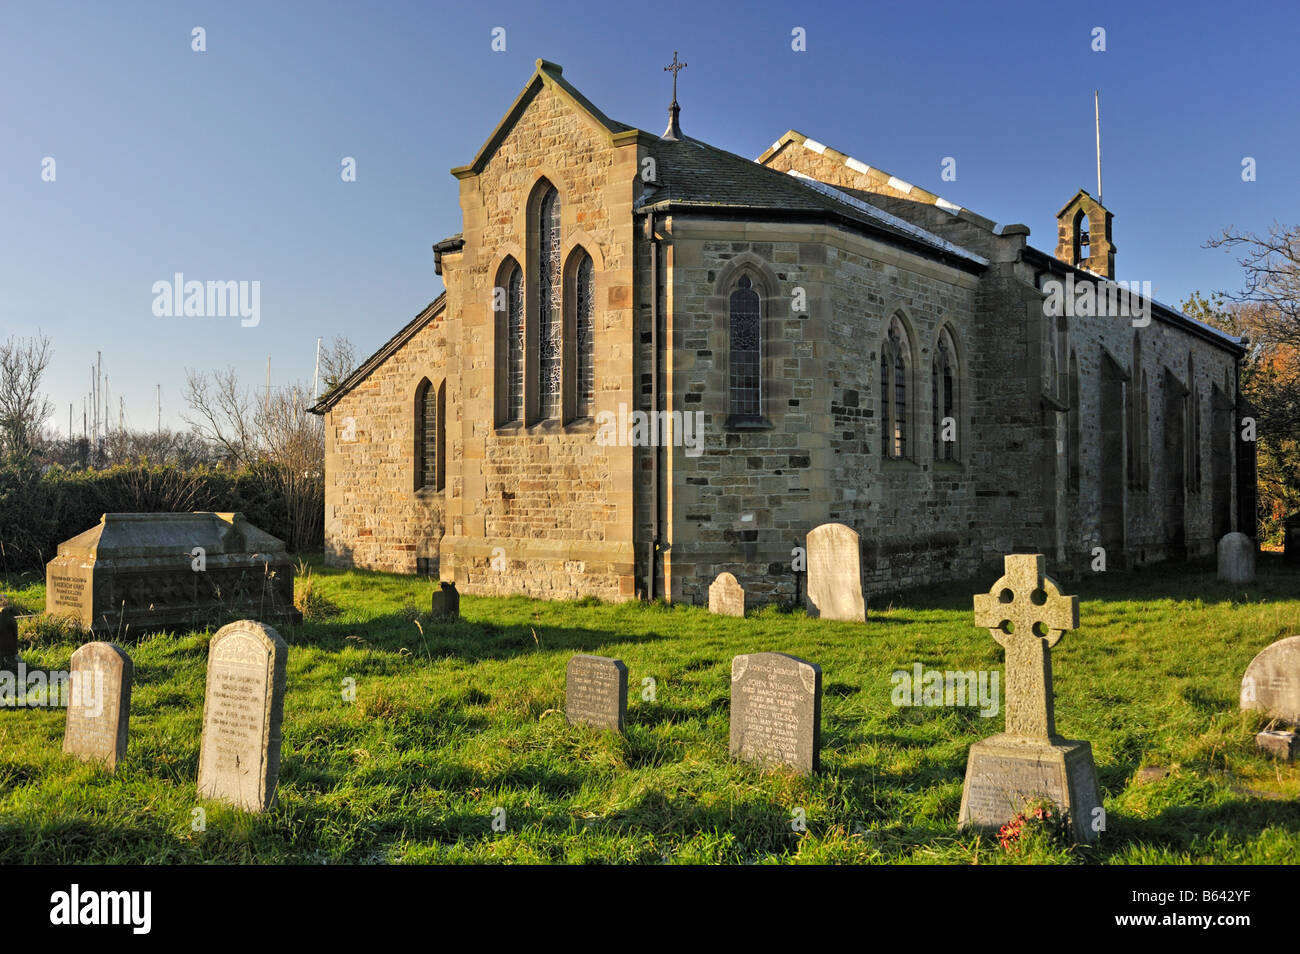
[[1084, 235]]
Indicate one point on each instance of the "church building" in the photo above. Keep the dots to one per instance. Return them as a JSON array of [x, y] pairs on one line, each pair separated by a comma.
[[656, 360]]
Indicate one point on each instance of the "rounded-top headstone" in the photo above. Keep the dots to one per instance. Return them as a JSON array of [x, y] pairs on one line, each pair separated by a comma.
[[835, 574], [243, 705], [1236, 558], [1272, 681], [99, 710], [726, 596]]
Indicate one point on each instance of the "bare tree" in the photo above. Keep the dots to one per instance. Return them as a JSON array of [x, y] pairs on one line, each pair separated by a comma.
[[337, 361], [23, 406], [277, 437], [293, 444], [1267, 309], [221, 412]]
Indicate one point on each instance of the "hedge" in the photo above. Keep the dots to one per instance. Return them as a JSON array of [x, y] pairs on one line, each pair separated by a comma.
[[42, 507]]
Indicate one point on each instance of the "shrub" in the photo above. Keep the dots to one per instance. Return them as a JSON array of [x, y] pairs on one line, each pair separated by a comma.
[[39, 510]]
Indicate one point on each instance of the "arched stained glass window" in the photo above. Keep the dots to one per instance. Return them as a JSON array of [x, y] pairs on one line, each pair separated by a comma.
[[895, 390], [426, 436], [514, 343], [584, 337], [944, 394], [1074, 438], [550, 307], [746, 351]]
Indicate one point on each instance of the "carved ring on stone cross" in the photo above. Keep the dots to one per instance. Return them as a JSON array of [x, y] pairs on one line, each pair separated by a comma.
[[1024, 603]]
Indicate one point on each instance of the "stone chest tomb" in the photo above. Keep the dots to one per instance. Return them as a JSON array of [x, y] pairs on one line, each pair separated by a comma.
[[147, 570]]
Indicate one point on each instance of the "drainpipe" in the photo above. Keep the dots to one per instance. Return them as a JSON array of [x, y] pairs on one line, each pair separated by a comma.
[[654, 403]]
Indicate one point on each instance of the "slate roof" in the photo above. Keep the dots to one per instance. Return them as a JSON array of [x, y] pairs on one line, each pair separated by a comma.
[[695, 175]]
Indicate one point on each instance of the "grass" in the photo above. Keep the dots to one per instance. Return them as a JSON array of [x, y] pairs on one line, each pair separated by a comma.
[[453, 721]]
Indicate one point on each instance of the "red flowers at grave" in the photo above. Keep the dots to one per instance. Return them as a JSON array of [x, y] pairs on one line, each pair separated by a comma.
[[1040, 817]]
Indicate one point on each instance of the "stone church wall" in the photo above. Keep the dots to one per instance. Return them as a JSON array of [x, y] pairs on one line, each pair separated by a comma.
[[375, 517], [542, 509], [1150, 529], [750, 498]]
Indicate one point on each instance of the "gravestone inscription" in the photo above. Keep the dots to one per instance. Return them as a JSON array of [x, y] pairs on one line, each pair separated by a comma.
[[99, 704], [596, 692], [239, 759], [776, 709]]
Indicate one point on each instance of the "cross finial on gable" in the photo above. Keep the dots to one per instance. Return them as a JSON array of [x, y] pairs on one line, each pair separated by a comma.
[[674, 130], [674, 68]]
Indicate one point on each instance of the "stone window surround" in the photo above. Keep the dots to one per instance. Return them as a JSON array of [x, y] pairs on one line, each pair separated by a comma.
[[908, 337], [574, 243], [421, 487], [762, 280], [956, 366], [504, 269]]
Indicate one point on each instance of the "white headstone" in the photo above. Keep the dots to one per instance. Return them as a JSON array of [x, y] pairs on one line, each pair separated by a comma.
[[835, 574], [1236, 558], [1271, 683], [239, 758], [726, 596]]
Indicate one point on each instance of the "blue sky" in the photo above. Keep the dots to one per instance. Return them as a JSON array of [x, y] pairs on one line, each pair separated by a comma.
[[225, 165]]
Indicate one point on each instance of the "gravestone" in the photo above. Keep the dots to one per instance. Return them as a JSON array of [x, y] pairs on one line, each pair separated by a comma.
[[595, 692], [99, 709], [776, 711], [1271, 685], [1236, 558], [446, 601], [834, 556], [1291, 538], [8, 639], [239, 759], [1279, 743], [726, 596], [147, 570], [1027, 615]]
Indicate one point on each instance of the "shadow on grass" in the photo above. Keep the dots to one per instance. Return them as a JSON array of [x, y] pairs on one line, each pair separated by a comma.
[[465, 639]]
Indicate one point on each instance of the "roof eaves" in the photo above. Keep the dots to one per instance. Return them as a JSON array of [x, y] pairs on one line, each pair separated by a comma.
[[1166, 313], [853, 223], [364, 370]]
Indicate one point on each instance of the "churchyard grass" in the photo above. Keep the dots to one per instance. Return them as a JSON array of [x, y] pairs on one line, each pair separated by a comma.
[[453, 722]]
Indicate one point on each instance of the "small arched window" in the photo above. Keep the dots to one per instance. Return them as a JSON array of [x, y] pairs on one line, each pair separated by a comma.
[[1073, 438], [508, 301], [1193, 420], [1139, 444], [550, 314], [944, 394], [426, 436], [440, 439], [895, 392], [746, 350]]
